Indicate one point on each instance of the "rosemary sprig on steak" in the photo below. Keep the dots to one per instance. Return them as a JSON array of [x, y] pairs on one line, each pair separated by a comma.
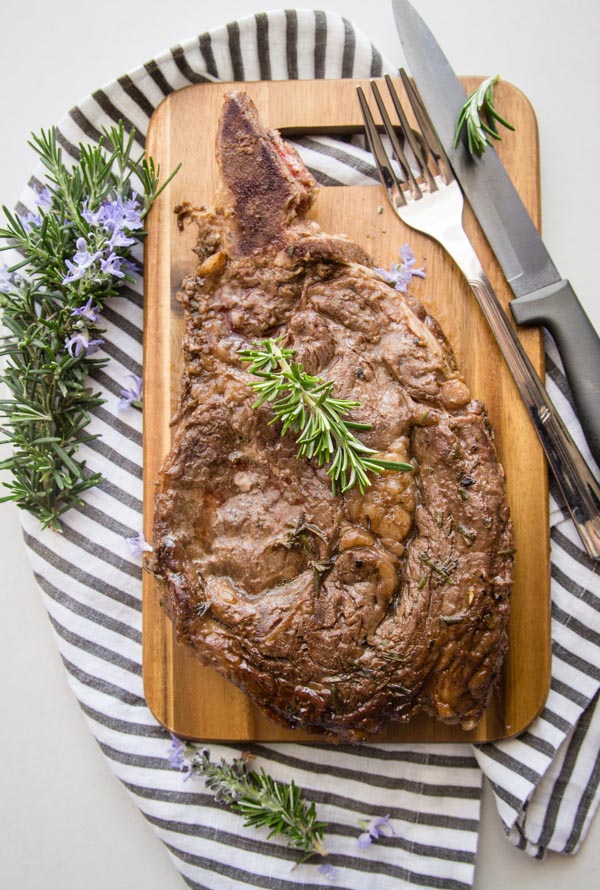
[[306, 406], [260, 799]]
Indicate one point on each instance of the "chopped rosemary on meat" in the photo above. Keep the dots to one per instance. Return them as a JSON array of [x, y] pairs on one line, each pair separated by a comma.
[[260, 799], [303, 536], [306, 406], [442, 570], [453, 619], [467, 534]]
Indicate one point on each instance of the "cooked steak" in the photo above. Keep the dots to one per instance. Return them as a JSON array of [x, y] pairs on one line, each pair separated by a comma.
[[334, 613]]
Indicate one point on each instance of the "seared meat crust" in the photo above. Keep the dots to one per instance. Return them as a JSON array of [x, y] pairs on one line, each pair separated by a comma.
[[333, 613]]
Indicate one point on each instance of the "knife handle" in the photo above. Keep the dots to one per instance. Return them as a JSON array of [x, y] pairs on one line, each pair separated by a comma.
[[580, 489], [557, 308]]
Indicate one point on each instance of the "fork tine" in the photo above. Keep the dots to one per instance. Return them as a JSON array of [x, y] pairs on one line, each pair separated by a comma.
[[397, 148], [417, 149], [386, 172], [428, 130]]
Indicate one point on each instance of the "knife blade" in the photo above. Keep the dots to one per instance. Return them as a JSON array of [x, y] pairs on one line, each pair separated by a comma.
[[541, 295]]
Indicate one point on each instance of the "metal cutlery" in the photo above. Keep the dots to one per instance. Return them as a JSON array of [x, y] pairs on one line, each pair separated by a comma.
[[541, 295], [429, 199]]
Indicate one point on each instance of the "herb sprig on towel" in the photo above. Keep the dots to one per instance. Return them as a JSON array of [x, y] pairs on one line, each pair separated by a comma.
[[260, 799], [307, 406], [75, 254]]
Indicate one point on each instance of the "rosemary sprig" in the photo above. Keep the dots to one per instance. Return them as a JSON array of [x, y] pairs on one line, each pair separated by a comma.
[[306, 406], [260, 799], [479, 127], [73, 254]]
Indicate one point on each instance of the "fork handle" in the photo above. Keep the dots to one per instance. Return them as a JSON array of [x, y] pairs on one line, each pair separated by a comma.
[[580, 489]]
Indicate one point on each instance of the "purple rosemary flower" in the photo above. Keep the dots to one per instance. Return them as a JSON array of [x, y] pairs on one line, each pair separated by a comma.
[[119, 239], [92, 217], [138, 545], [177, 757], [129, 267], [80, 343], [131, 396], [29, 220], [117, 214], [82, 261], [401, 274], [124, 214], [111, 265], [44, 198], [6, 280], [329, 870], [88, 311], [374, 829]]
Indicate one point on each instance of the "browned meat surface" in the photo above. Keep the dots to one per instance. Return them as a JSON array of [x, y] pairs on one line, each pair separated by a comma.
[[333, 613]]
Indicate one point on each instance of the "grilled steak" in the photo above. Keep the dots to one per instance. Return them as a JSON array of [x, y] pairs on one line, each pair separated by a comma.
[[334, 613]]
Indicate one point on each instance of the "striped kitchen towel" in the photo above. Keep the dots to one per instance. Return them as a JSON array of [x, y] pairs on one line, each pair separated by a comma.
[[546, 782]]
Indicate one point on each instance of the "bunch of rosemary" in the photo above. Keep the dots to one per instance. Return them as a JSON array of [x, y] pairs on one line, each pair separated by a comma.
[[74, 255]]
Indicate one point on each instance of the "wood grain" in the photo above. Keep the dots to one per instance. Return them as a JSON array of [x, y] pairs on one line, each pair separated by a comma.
[[193, 701]]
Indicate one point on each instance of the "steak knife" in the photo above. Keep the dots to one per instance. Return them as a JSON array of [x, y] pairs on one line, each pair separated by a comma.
[[541, 295]]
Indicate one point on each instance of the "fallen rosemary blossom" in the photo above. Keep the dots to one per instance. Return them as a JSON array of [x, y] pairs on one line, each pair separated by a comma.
[[328, 870], [261, 800], [138, 545], [401, 274], [132, 396], [374, 829]]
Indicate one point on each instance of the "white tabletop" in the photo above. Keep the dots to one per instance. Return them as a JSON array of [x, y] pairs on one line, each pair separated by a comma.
[[66, 821]]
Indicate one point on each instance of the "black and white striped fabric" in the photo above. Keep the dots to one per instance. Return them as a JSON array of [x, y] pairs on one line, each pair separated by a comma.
[[546, 782]]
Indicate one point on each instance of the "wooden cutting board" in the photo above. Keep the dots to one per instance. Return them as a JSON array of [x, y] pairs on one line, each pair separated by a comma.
[[193, 701]]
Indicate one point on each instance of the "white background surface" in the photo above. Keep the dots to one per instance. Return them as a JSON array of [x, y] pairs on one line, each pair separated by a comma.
[[66, 821]]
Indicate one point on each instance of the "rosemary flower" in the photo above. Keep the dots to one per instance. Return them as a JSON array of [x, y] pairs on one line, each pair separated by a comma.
[[374, 829], [119, 239], [138, 545], [80, 344], [89, 311], [29, 220], [6, 281], [115, 214], [81, 262], [131, 396], [400, 275], [328, 870], [43, 198], [111, 265], [177, 756]]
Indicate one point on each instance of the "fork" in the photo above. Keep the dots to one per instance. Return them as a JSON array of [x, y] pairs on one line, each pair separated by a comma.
[[432, 202]]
